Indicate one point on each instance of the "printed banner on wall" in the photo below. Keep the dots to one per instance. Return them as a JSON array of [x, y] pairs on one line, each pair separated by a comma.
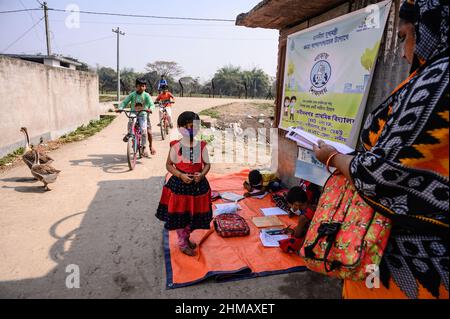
[[328, 73], [328, 70]]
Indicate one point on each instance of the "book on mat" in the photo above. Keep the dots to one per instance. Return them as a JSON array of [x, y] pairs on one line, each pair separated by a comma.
[[267, 221], [308, 140], [271, 211]]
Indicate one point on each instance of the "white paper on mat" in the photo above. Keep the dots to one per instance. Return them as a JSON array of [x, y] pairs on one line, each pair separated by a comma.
[[259, 196], [271, 240], [271, 211], [232, 197], [228, 208]]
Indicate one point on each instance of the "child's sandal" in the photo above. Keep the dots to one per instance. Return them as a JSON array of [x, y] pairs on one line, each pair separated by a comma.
[[188, 251], [192, 245]]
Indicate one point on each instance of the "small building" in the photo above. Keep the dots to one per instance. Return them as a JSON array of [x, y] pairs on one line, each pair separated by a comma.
[[291, 16], [51, 60]]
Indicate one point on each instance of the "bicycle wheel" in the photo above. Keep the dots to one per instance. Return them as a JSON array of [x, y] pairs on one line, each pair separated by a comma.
[[166, 125], [163, 130], [132, 153]]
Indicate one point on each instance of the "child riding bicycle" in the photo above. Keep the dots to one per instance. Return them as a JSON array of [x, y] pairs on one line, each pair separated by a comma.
[[166, 98], [140, 101]]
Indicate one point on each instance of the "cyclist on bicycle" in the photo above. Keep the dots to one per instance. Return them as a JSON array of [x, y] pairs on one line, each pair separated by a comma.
[[140, 101], [163, 98], [162, 82]]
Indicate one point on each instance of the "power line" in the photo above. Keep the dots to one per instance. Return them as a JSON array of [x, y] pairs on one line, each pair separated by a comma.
[[32, 18], [194, 37], [154, 24], [20, 37], [86, 42], [146, 16], [21, 10]]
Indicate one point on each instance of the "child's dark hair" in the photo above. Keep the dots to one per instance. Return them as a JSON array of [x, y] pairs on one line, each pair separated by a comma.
[[294, 98], [287, 98], [316, 192], [296, 194], [186, 118], [254, 177]]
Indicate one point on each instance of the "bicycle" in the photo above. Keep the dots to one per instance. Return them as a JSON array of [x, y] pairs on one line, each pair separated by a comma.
[[164, 121], [134, 147]]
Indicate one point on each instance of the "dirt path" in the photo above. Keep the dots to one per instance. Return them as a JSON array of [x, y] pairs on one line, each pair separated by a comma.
[[100, 216]]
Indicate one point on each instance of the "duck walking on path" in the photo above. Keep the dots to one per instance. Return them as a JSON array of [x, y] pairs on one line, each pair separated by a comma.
[[45, 173], [28, 156]]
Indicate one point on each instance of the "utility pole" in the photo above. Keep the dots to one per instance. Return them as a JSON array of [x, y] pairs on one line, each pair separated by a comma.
[[47, 29], [119, 33]]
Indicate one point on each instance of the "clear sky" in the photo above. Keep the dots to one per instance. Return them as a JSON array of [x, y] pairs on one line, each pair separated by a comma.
[[199, 47]]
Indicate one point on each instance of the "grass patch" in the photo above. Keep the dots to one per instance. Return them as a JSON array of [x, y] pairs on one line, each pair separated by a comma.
[[11, 157], [85, 131], [212, 112], [81, 133]]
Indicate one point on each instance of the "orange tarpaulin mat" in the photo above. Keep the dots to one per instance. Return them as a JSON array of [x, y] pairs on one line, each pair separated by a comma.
[[229, 258]]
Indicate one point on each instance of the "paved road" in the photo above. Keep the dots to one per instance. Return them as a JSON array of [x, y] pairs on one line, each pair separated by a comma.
[[100, 216]]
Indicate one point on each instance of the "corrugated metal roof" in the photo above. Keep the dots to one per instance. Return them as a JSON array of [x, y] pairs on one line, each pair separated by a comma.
[[279, 14]]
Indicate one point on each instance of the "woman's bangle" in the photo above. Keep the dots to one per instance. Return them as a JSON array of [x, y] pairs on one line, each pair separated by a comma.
[[329, 160]]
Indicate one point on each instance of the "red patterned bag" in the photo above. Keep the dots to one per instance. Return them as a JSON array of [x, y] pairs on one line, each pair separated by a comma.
[[346, 234], [231, 225]]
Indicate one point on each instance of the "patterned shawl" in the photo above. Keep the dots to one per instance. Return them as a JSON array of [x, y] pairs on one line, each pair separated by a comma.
[[404, 172]]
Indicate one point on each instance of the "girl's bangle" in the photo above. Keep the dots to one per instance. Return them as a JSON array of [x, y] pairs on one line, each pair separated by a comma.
[[329, 160]]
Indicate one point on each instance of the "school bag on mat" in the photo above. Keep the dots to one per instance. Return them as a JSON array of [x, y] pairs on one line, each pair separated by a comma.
[[346, 234], [231, 225]]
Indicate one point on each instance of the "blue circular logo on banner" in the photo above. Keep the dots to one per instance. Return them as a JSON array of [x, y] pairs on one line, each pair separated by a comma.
[[320, 74]]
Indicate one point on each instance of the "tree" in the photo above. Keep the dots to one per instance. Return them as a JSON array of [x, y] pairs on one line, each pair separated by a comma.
[[191, 85], [128, 79], [258, 82], [169, 69], [369, 55], [291, 68], [227, 80], [107, 79]]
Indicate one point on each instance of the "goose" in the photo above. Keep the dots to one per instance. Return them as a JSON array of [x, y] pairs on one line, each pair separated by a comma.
[[43, 172], [28, 156]]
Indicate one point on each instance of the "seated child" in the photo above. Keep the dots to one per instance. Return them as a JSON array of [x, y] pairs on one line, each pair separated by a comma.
[[260, 182], [299, 205]]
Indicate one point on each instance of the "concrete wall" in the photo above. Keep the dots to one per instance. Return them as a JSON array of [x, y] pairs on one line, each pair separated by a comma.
[[390, 71], [49, 101]]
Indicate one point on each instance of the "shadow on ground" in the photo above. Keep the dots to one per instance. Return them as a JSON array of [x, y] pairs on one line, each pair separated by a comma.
[[116, 247], [110, 163]]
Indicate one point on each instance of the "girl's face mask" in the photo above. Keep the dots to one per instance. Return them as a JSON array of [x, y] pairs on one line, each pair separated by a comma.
[[187, 132], [286, 103], [296, 211]]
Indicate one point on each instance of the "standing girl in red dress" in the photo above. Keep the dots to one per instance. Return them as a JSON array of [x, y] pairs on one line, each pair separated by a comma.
[[185, 203]]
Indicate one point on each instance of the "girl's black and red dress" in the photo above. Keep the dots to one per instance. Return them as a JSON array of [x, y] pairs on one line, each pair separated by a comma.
[[183, 204]]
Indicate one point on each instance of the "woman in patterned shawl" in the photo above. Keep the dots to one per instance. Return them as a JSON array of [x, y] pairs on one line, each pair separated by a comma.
[[403, 171]]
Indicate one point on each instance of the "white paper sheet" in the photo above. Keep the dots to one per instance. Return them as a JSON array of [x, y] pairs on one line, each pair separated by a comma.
[[259, 196], [228, 208], [307, 140], [271, 240], [271, 211], [232, 197]]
